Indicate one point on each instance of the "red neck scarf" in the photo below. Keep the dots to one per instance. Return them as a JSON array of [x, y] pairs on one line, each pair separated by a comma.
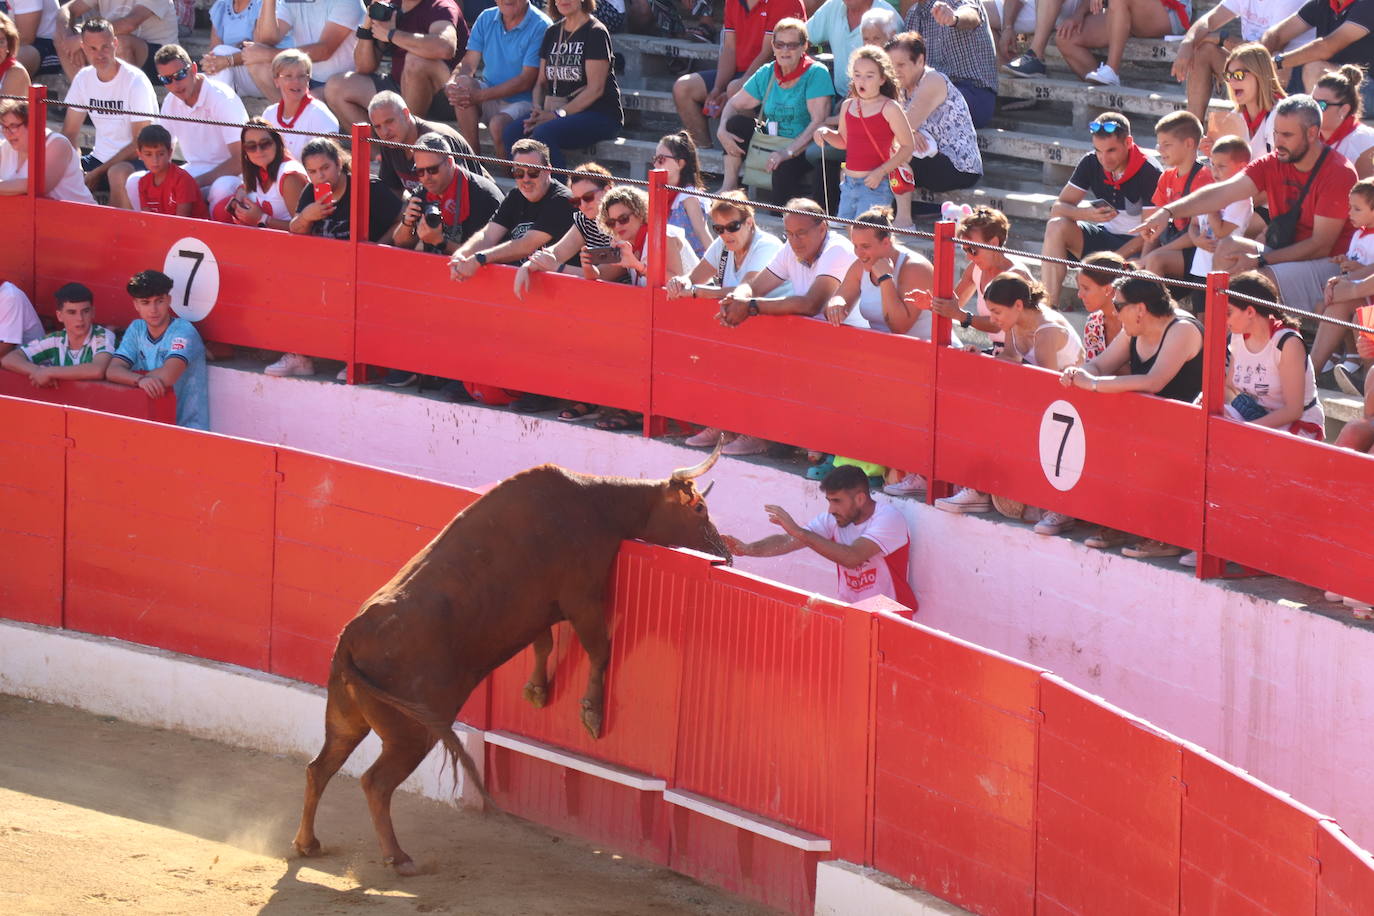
[[1346, 128], [1361, 233], [1134, 160], [802, 66], [5, 67], [640, 237], [1275, 325], [454, 200], [281, 107], [1253, 124], [264, 180], [1338, 6]]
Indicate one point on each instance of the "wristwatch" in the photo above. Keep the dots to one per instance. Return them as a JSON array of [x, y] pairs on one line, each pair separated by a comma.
[[391, 37], [753, 306], [481, 258], [1262, 261], [1278, 61], [882, 279], [967, 320]]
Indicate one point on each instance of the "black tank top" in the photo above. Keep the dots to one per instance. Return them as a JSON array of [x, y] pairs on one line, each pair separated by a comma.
[[1186, 385]]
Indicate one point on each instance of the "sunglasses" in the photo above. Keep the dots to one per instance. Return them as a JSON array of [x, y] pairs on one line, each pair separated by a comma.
[[522, 174], [175, 77], [589, 197], [1236, 76], [1323, 104], [970, 250], [660, 158], [250, 147], [616, 221], [786, 45], [433, 170], [732, 226], [1105, 127]]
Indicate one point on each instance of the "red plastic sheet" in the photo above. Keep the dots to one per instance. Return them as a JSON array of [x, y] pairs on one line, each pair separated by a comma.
[[33, 453], [954, 777]]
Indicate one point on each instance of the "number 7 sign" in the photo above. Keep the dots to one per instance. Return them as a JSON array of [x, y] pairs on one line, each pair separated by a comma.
[[195, 278], [1063, 446]]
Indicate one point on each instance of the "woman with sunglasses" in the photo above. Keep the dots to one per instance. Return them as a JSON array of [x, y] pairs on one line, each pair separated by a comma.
[[270, 188], [1253, 86], [740, 249], [63, 178], [986, 226], [677, 155], [1338, 95], [14, 78], [790, 98]]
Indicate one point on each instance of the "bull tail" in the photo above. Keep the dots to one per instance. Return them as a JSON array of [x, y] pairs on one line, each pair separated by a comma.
[[457, 754]]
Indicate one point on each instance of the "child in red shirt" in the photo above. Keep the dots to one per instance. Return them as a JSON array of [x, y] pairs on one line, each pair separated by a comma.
[[166, 187]]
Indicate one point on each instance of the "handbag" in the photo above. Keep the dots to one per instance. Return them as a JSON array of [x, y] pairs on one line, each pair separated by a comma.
[[902, 180], [1283, 227], [762, 145], [1171, 231]]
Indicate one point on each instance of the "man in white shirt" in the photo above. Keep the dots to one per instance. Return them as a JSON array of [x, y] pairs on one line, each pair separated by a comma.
[[111, 87], [867, 541], [813, 261], [210, 151], [142, 27], [323, 29], [1208, 42], [19, 323]]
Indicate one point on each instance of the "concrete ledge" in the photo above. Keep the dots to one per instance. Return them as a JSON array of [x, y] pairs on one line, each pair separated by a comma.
[[843, 888], [556, 755], [728, 814]]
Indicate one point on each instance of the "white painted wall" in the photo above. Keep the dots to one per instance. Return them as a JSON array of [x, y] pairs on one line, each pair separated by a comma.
[[1282, 692]]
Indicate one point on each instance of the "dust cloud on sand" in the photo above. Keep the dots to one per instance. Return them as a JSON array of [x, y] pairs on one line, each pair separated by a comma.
[[97, 816]]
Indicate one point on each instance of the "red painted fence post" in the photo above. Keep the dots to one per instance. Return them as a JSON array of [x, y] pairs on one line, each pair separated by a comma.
[[1214, 344], [359, 199], [940, 329], [657, 280], [38, 164]]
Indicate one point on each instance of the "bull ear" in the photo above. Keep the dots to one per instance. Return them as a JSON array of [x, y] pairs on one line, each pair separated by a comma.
[[698, 470]]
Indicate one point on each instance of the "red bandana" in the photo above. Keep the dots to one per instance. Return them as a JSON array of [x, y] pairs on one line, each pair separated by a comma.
[[454, 203], [281, 106], [1338, 6], [5, 67], [802, 66], [1253, 124], [640, 237], [1346, 128], [1134, 160]]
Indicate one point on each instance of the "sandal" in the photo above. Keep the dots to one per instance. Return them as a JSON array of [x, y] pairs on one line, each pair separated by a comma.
[[817, 471], [579, 412], [617, 422]]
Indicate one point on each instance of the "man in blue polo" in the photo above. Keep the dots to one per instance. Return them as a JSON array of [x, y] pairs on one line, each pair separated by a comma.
[[161, 352], [504, 46]]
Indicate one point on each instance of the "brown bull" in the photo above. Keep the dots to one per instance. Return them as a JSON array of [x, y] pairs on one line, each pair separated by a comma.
[[535, 550]]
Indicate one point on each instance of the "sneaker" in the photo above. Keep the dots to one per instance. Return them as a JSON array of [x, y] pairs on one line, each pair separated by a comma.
[[291, 364], [455, 392], [1104, 76], [1188, 559], [1333, 596], [967, 501], [342, 376], [1347, 380], [1053, 523], [532, 403], [399, 378], [707, 438], [1149, 550], [1105, 538], [909, 485], [745, 445], [1026, 66]]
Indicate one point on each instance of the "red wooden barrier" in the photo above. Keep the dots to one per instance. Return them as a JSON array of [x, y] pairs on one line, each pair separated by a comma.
[[33, 453], [169, 537], [954, 777], [797, 380], [105, 397], [1002, 428], [1345, 885], [1295, 508], [16, 255], [1108, 808], [1246, 848], [564, 338]]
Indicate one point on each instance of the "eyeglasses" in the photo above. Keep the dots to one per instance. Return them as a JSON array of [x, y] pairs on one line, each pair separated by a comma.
[[1105, 127], [801, 233], [970, 250], [522, 174], [1323, 104], [434, 170], [660, 158], [616, 221], [787, 45], [13, 128], [175, 77], [1236, 75], [589, 197], [732, 226], [250, 147]]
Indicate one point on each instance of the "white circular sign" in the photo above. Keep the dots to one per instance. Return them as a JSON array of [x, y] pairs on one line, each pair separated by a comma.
[[1063, 447], [195, 278]]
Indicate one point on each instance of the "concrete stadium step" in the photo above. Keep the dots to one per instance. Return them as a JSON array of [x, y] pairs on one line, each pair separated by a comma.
[[1087, 99]]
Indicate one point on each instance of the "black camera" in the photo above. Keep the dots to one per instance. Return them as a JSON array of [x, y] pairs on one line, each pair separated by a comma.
[[377, 11], [433, 215]]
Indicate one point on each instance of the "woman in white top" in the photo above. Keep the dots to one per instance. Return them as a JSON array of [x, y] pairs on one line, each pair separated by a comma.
[[1254, 88], [987, 226], [1338, 95], [270, 186], [298, 109], [62, 175], [1271, 381]]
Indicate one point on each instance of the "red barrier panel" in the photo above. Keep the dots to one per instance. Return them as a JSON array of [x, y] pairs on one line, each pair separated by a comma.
[[105, 397], [759, 659], [1292, 507], [954, 778], [564, 338], [1246, 848], [33, 452], [798, 380], [302, 302], [1007, 429], [169, 537], [1345, 885], [1108, 808], [16, 255], [653, 591]]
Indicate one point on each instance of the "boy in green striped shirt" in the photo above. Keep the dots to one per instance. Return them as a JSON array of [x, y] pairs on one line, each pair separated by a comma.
[[80, 351]]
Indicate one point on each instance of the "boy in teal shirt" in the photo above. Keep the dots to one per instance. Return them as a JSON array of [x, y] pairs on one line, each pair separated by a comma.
[[162, 352]]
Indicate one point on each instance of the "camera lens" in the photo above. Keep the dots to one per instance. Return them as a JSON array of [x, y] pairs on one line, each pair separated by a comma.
[[433, 216]]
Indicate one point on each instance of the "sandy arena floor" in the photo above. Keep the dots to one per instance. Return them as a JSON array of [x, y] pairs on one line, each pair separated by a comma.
[[97, 815]]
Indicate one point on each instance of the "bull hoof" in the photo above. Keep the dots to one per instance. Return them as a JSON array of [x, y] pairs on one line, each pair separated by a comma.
[[308, 850], [537, 695], [405, 867], [591, 718]]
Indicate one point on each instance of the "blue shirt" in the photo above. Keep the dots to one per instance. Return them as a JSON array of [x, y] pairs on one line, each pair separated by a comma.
[[506, 53], [234, 28], [179, 341]]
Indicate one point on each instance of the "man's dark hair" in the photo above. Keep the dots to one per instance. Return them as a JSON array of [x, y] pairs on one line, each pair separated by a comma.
[[153, 135], [149, 284], [845, 477], [91, 26], [72, 292]]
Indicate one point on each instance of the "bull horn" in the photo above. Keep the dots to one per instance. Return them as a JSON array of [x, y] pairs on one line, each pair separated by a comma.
[[711, 459], [707, 492]]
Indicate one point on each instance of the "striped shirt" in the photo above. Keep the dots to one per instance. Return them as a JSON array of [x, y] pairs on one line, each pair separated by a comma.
[[591, 230], [52, 350], [964, 55]]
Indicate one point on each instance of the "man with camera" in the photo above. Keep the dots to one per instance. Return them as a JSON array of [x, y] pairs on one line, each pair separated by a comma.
[[451, 204], [424, 38]]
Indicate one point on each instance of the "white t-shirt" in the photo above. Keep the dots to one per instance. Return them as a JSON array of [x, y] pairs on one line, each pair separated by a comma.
[[677, 238], [1355, 145], [307, 19], [1258, 15], [1362, 246], [130, 90], [272, 201], [205, 146], [762, 249], [158, 29], [316, 117], [47, 21], [1237, 214], [885, 572], [19, 323], [1257, 374], [833, 261]]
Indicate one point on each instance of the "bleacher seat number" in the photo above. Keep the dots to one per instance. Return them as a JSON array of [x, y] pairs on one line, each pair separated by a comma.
[[1063, 446], [195, 272]]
